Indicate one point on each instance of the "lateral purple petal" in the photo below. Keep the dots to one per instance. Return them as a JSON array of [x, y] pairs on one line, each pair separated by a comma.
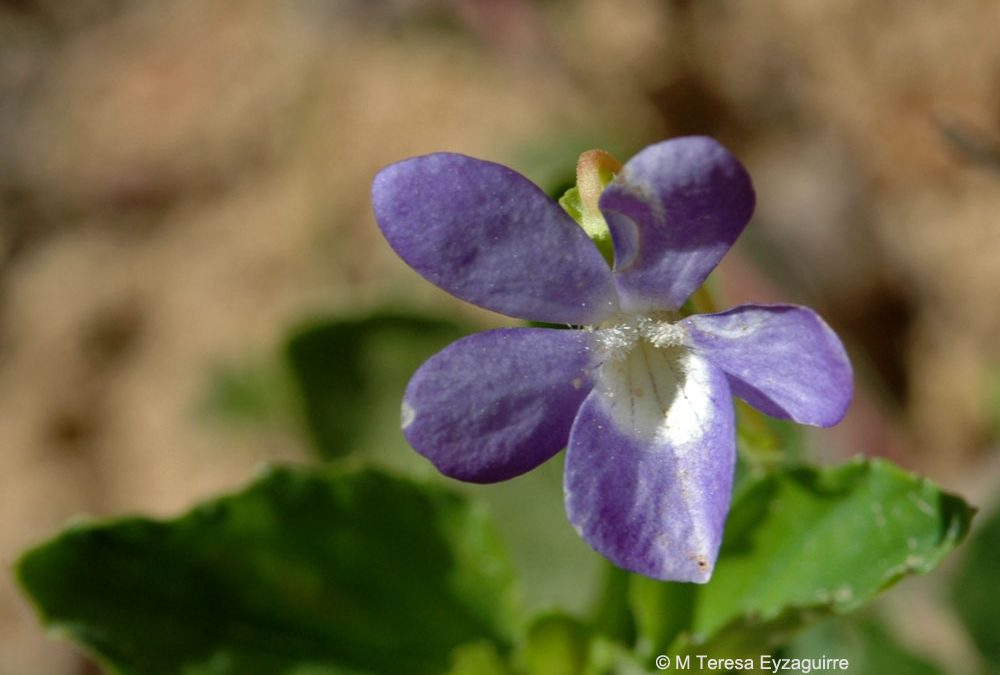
[[486, 234], [650, 464], [673, 212], [782, 359], [496, 404]]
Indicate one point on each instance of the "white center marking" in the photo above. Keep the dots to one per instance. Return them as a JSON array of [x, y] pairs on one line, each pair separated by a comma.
[[658, 391]]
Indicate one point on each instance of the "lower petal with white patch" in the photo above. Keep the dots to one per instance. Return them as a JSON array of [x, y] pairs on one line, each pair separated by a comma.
[[650, 463]]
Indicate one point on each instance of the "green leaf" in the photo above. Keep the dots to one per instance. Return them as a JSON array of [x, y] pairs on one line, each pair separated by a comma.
[[977, 589], [250, 393], [662, 612], [608, 657], [352, 375], [766, 443], [302, 572], [868, 647], [559, 644], [612, 612], [803, 543], [478, 658], [556, 568], [556, 644]]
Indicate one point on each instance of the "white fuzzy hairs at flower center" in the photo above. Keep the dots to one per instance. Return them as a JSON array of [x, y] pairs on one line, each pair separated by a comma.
[[618, 337]]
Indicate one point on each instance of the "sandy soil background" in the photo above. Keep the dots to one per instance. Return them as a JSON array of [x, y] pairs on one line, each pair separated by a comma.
[[181, 180]]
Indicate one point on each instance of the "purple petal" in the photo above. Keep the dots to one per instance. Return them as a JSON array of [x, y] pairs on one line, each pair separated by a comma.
[[496, 404], [674, 211], [650, 463], [781, 359], [486, 234]]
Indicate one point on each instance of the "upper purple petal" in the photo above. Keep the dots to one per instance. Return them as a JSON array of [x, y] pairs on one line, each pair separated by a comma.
[[496, 404], [488, 235], [649, 467], [782, 359], [674, 211]]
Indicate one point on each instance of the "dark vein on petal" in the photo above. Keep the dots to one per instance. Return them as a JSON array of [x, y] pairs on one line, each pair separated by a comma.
[[652, 379], [631, 398]]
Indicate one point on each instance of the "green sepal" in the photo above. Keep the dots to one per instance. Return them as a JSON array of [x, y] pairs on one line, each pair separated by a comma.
[[594, 170], [595, 226]]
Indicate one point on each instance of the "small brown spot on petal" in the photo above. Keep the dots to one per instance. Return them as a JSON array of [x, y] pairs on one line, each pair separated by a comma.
[[700, 560]]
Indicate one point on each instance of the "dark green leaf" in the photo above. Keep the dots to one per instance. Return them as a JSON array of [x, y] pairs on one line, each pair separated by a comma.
[[802, 543], [977, 590], [352, 375], [303, 572]]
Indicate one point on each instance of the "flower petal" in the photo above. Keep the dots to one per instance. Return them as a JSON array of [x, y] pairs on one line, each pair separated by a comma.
[[650, 464], [674, 211], [496, 404], [486, 234], [781, 359]]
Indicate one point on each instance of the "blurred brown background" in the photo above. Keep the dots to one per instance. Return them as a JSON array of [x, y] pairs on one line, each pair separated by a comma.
[[181, 180]]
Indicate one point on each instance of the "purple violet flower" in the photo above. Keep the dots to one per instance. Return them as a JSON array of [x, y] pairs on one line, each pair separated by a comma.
[[640, 396]]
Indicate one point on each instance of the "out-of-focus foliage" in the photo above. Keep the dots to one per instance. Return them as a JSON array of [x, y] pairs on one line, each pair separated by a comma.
[[253, 393], [352, 373], [556, 644], [866, 645], [304, 571], [977, 591]]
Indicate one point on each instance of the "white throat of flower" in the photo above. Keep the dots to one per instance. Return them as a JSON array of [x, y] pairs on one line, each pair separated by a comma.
[[653, 385]]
